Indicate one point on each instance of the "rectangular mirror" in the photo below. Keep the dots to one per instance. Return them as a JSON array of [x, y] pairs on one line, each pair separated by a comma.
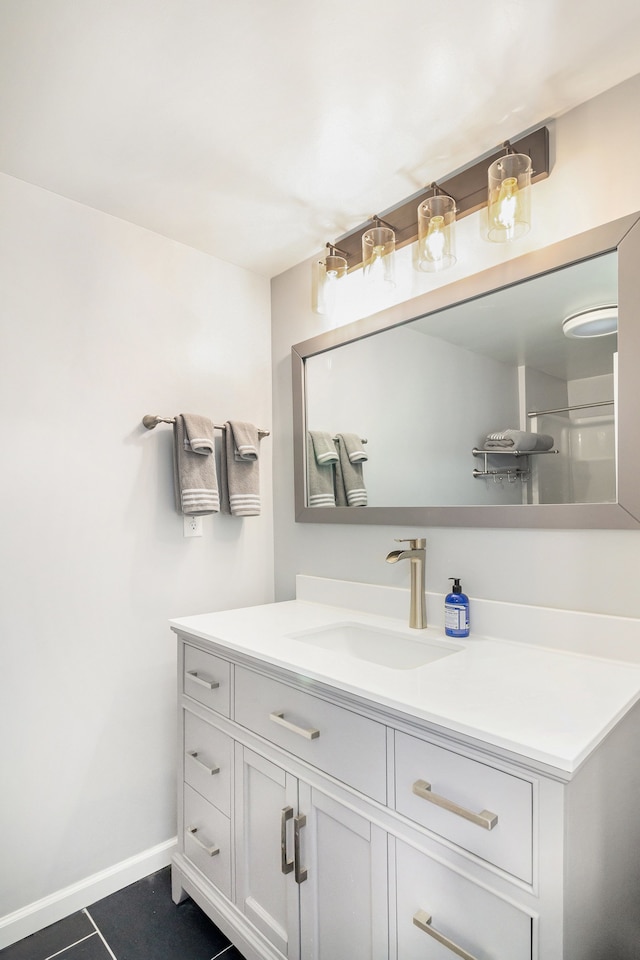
[[428, 382]]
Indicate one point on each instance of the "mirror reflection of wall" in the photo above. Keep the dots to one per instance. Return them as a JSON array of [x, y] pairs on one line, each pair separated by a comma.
[[426, 393], [585, 470]]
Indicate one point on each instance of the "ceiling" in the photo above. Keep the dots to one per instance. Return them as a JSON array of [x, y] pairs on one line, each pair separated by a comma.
[[256, 130], [522, 324]]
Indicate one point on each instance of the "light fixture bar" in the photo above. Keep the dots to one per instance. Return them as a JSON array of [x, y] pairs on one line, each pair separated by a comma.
[[468, 188]]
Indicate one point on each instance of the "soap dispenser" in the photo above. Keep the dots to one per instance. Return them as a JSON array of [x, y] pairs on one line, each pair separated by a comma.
[[456, 611]]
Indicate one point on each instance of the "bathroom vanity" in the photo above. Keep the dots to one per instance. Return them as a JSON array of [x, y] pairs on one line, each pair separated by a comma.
[[351, 788]]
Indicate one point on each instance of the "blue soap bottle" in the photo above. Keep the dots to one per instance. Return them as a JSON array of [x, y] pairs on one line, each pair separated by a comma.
[[456, 611]]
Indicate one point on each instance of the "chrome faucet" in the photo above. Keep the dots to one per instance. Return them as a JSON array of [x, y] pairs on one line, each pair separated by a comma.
[[416, 554]]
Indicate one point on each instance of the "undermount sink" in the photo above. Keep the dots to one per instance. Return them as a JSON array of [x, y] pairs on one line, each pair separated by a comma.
[[376, 645]]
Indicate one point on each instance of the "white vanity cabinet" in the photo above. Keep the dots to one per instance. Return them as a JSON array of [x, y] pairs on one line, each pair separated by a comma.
[[315, 824]]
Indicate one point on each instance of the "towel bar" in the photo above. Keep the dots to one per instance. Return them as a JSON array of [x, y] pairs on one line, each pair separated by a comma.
[[151, 420]]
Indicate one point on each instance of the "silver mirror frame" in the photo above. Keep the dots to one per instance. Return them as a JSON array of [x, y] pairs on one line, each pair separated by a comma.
[[622, 235]]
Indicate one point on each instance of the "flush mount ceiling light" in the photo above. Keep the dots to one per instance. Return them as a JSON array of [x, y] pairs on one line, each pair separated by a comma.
[[436, 231], [509, 196], [369, 247], [598, 322]]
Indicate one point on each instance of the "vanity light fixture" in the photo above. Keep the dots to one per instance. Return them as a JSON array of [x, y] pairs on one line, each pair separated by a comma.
[[327, 274], [371, 245], [509, 196], [436, 231], [597, 322], [378, 249]]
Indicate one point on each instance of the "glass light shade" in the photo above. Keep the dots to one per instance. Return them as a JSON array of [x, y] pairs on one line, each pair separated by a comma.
[[326, 276], [378, 248], [509, 206], [436, 233]]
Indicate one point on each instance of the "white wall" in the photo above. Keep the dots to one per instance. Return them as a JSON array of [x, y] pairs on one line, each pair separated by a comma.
[[103, 322], [588, 570]]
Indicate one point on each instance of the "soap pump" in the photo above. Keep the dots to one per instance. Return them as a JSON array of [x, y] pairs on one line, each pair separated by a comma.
[[456, 611]]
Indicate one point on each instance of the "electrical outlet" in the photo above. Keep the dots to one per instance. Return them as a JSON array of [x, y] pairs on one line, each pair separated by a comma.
[[192, 526]]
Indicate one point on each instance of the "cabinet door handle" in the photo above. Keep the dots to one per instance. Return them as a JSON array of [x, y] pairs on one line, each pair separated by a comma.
[[423, 920], [309, 733], [484, 819], [194, 756], [285, 865], [209, 684], [209, 848], [298, 823]]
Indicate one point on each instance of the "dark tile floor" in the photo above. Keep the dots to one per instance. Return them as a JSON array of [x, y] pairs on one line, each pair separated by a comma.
[[140, 922]]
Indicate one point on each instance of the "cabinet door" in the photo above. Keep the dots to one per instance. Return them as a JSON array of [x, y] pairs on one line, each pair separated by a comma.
[[266, 801], [343, 900]]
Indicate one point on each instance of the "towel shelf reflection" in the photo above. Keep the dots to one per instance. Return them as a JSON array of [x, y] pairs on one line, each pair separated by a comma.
[[150, 421], [511, 473]]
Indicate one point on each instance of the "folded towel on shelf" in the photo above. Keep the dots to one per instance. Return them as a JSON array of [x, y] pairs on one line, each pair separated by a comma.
[[353, 445], [194, 466], [544, 441], [322, 458], [518, 440], [240, 475], [350, 488]]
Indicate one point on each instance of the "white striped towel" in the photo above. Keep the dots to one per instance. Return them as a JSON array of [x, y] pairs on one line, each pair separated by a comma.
[[322, 457], [239, 476], [350, 488], [245, 440], [195, 479], [199, 434], [354, 447]]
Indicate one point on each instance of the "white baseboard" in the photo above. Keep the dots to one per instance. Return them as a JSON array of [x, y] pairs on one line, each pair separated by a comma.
[[35, 916]]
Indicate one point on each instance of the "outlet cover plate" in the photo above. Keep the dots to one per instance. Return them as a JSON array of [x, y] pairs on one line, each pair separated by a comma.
[[192, 526]]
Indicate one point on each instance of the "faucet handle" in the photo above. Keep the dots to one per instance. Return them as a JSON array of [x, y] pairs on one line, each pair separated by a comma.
[[415, 543]]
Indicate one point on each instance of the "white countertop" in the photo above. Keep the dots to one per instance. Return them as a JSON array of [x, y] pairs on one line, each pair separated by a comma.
[[548, 706]]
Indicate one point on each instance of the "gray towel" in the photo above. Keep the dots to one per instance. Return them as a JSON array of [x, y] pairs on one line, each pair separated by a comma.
[[245, 440], [518, 440], [322, 457], [240, 475], [350, 488], [198, 434], [354, 447], [194, 469]]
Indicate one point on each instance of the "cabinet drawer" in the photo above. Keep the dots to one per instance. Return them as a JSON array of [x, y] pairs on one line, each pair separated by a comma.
[[466, 786], [468, 916], [207, 840], [206, 679], [347, 746], [207, 761]]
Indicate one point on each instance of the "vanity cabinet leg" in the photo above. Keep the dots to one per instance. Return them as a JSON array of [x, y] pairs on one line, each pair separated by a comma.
[[178, 893]]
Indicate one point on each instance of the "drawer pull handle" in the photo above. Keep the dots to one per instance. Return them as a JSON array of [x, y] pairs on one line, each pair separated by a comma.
[[209, 684], [423, 921], [308, 734], [194, 756], [298, 823], [484, 819], [208, 848], [285, 865]]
